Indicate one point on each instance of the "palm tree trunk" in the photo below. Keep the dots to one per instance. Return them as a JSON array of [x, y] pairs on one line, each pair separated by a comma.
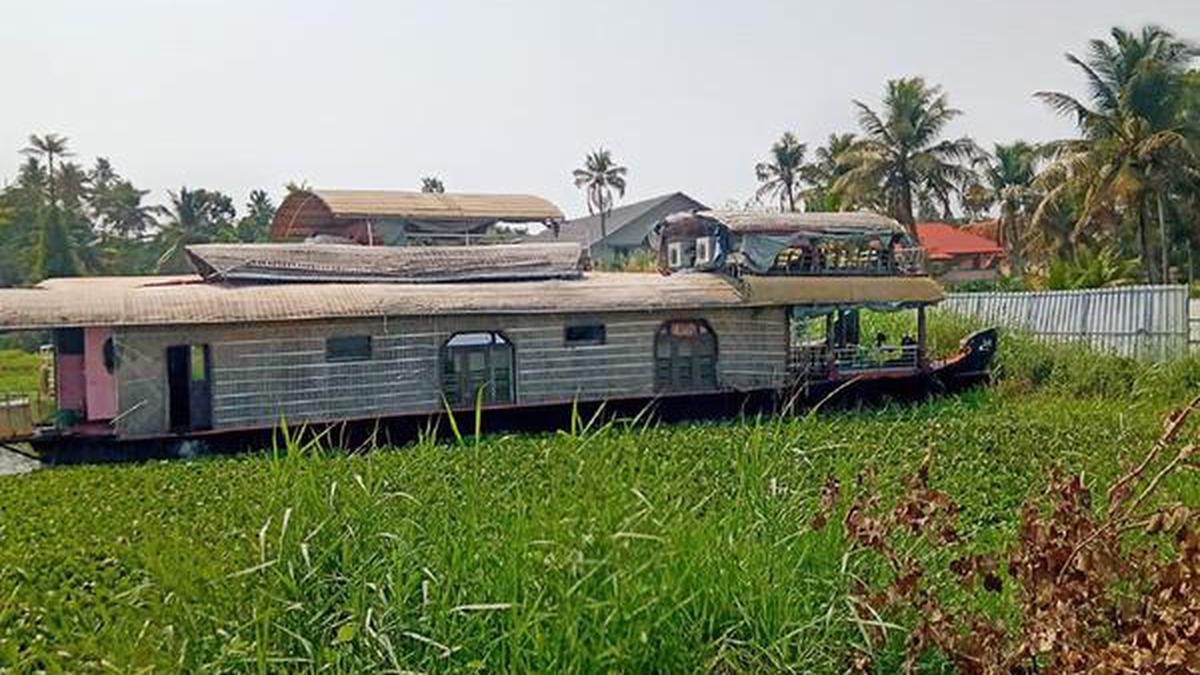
[[1162, 235], [50, 176], [904, 212], [1144, 239], [1012, 241]]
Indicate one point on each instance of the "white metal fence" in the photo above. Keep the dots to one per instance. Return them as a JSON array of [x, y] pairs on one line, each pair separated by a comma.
[[1143, 321], [1194, 324]]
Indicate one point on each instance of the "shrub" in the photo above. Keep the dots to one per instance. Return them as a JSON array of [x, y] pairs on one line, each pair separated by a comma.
[[1109, 591]]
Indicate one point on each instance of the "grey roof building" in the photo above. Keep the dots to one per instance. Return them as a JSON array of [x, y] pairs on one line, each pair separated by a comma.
[[625, 228]]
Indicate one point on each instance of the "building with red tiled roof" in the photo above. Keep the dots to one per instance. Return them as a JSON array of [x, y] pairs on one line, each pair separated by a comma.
[[955, 254]]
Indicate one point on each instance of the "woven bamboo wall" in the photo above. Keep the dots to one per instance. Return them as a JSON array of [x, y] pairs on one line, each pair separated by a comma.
[[264, 373]]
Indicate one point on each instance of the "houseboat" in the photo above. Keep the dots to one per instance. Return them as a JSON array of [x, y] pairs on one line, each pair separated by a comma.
[[344, 334]]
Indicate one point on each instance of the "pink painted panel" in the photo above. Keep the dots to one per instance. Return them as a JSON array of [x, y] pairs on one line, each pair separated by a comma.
[[101, 384], [68, 382]]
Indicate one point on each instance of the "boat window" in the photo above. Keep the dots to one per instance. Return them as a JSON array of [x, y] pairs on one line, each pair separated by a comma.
[[110, 355], [685, 357], [675, 254], [475, 339], [589, 334], [704, 250], [478, 364], [348, 348]]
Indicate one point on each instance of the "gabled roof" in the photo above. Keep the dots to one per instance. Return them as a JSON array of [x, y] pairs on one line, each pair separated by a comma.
[[943, 241], [586, 230], [307, 212], [341, 263]]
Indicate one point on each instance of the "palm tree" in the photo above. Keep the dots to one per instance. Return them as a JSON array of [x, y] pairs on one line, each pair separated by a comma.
[[71, 185], [822, 173], [599, 176], [782, 175], [1134, 132], [49, 146], [902, 155], [1009, 176], [194, 217], [256, 224], [432, 184], [119, 211]]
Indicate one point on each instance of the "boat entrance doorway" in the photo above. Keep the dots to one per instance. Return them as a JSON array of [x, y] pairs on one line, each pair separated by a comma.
[[477, 365], [685, 357], [189, 387]]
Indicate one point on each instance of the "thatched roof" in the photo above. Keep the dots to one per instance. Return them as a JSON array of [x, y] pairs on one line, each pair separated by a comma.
[[385, 264], [186, 300], [307, 212]]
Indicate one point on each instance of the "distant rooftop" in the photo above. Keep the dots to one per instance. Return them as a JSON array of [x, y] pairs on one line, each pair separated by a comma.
[[587, 230], [943, 241]]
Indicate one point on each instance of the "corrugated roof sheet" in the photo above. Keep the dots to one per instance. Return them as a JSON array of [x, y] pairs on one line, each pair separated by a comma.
[[357, 264], [147, 301]]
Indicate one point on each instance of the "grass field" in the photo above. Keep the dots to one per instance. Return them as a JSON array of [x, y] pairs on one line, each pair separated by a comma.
[[18, 371], [629, 548]]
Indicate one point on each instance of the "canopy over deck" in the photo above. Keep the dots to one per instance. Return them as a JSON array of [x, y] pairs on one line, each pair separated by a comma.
[[184, 300], [858, 243], [839, 224], [357, 264], [374, 216]]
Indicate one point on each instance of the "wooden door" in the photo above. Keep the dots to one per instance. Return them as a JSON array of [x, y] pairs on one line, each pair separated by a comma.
[[685, 357]]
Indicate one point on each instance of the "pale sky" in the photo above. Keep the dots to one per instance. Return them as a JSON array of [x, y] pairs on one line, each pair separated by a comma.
[[509, 96]]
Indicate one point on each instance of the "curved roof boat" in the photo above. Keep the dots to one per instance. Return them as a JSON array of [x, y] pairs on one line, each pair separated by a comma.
[[320, 334]]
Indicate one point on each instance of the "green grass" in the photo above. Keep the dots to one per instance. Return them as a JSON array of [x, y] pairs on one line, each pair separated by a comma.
[[624, 549], [19, 371]]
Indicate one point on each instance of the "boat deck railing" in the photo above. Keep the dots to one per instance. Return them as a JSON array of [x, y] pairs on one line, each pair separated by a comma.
[[20, 413], [908, 261], [886, 357], [814, 362]]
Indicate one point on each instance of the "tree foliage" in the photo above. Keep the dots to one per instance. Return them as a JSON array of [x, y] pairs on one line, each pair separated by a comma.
[[61, 219], [1137, 139], [902, 160], [782, 176], [598, 178], [432, 184]]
